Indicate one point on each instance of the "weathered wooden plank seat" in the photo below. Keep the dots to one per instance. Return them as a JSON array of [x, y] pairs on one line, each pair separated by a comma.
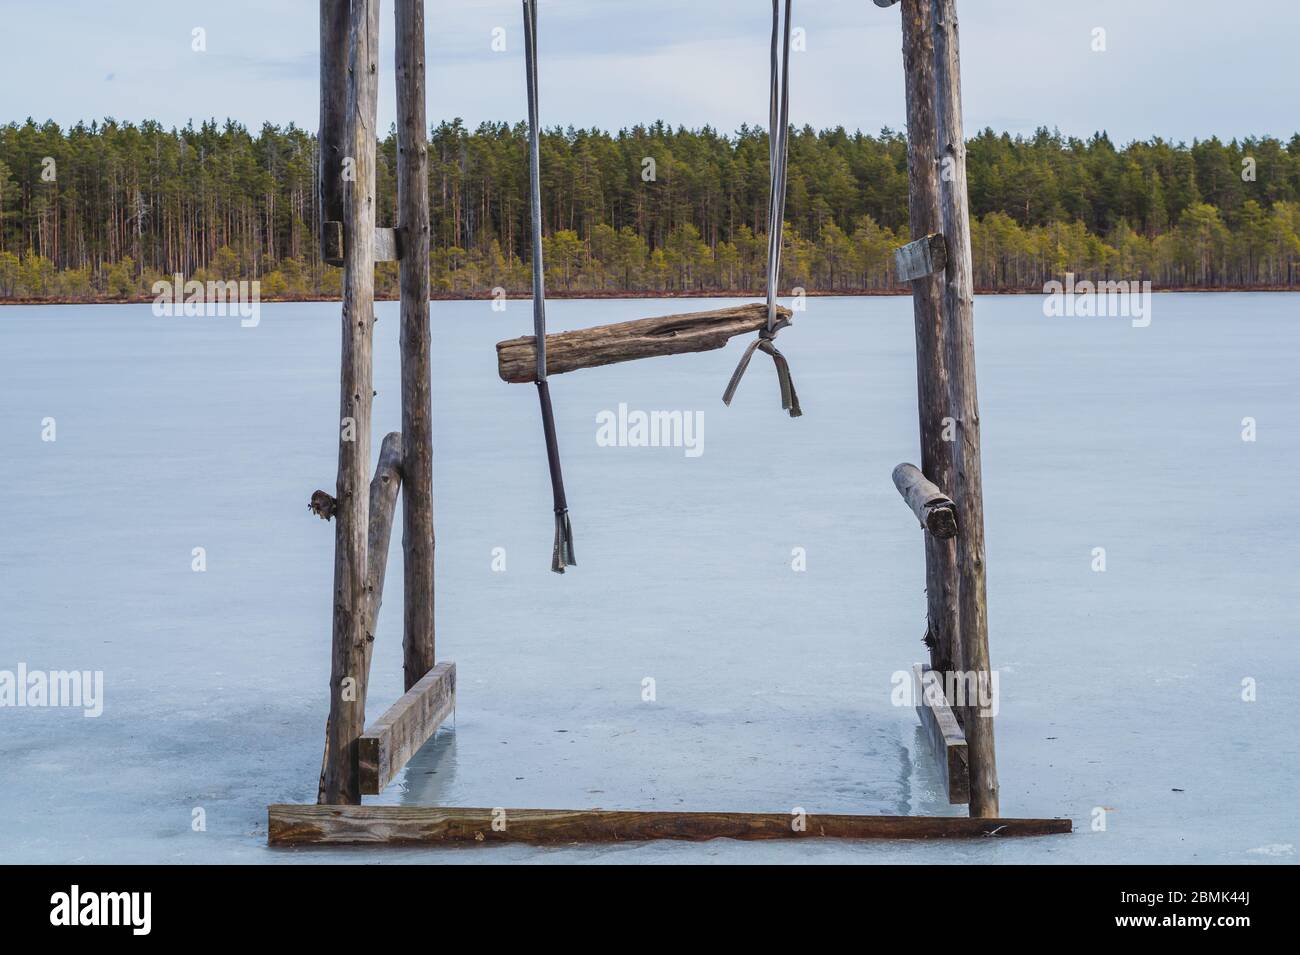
[[628, 341]]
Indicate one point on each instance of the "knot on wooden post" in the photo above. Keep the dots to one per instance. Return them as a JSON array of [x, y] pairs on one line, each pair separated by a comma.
[[322, 505]]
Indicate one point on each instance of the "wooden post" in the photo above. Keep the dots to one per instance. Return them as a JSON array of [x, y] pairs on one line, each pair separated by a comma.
[[927, 309], [383, 504], [352, 513], [333, 109], [417, 429], [959, 349]]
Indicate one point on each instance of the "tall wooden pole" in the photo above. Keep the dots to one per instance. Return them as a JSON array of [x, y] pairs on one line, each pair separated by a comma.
[[927, 308], [959, 346], [348, 675], [333, 114], [417, 429]]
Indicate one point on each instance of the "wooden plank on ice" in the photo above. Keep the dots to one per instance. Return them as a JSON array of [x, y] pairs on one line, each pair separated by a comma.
[[923, 257], [943, 731], [398, 825], [386, 746]]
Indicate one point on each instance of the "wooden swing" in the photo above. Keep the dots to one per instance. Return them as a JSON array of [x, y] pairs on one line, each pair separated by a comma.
[[364, 760], [533, 358]]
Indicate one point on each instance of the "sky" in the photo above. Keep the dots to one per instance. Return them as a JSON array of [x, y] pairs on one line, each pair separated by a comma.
[[1179, 69]]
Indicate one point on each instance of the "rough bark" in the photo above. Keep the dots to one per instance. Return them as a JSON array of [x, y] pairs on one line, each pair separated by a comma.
[[417, 427], [333, 122], [352, 518], [959, 348], [628, 341], [927, 310], [398, 825]]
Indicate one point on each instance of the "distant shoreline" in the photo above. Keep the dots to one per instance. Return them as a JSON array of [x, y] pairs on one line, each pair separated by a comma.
[[623, 294]]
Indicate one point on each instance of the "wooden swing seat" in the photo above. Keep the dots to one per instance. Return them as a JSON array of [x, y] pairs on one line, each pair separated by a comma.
[[628, 341]]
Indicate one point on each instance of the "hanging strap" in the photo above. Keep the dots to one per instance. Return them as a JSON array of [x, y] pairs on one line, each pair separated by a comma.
[[777, 151], [562, 554]]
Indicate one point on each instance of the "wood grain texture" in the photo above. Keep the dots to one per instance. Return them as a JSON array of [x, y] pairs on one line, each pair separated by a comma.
[[333, 122], [944, 733], [415, 344], [352, 518], [628, 341], [383, 506], [290, 825], [926, 256], [387, 243], [959, 349], [925, 218], [385, 747], [934, 509]]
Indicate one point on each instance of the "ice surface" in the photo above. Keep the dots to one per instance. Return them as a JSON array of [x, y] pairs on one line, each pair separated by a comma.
[[1120, 689]]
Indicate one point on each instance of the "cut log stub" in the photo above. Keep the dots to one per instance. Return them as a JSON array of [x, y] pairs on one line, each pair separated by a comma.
[[628, 341], [934, 509], [925, 256], [405, 825]]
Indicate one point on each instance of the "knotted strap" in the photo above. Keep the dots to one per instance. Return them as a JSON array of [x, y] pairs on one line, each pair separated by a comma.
[[765, 343]]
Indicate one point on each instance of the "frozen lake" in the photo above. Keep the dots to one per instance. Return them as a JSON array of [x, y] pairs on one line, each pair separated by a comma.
[[1120, 689]]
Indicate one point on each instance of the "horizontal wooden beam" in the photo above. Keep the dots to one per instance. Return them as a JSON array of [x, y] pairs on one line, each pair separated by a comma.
[[943, 731], [925, 256], [387, 247], [397, 825], [386, 746], [934, 509], [627, 341]]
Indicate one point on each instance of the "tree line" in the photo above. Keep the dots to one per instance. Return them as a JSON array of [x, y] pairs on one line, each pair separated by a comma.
[[105, 209]]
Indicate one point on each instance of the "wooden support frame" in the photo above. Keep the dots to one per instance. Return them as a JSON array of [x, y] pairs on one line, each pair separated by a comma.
[[356, 759], [417, 825], [369, 760], [628, 341], [943, 731]]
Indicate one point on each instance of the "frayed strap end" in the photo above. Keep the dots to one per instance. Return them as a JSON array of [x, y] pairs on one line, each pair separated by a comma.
[[789, 397], [562, 554]]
